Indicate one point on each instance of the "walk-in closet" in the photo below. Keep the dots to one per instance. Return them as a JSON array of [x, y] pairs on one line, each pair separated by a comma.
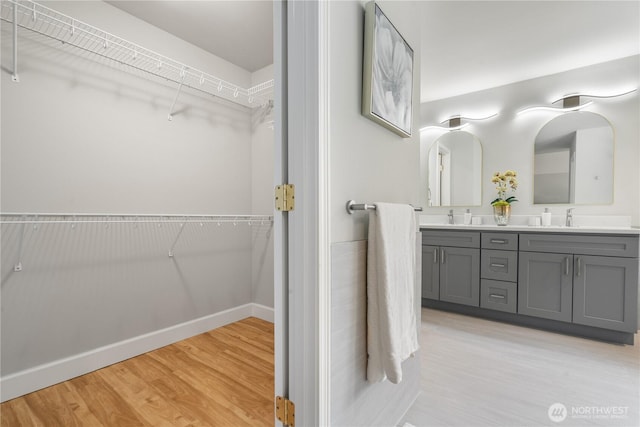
[[137, 209]]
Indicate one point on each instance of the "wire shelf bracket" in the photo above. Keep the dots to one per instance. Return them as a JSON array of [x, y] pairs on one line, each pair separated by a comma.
[[43, 20], [18, 265], [183, 74], [176, 240]]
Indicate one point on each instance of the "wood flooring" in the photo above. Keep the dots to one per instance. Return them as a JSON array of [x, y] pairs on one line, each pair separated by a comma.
[[477, 372], [220, 378]]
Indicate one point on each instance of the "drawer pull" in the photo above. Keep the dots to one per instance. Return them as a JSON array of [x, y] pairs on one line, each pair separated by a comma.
[[498, 265], [500, 241], [497, 296]]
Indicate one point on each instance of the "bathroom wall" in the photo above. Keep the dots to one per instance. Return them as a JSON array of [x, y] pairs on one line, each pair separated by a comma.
[[368, 164], [85, 135], [507, 140]]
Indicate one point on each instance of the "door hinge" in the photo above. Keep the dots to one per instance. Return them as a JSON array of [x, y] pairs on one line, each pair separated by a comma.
[[285, 197], [285, 411]]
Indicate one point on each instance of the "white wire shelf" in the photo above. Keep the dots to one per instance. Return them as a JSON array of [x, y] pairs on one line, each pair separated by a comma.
[[82, 218], [46, 21], [37, 219]]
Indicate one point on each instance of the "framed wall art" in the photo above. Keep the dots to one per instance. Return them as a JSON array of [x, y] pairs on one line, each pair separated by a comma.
[[387, 75]]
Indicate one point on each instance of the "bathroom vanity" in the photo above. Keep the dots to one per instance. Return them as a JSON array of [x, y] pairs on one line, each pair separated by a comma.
[[579, 281]]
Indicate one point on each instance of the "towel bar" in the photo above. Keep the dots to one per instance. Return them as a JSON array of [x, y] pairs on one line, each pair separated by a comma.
[[353, 206]]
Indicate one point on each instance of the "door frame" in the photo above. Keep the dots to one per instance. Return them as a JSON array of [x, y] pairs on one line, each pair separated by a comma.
[[303, 271]]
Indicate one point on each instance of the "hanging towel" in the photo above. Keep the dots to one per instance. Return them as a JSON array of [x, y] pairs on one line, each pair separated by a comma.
[[392, 332]]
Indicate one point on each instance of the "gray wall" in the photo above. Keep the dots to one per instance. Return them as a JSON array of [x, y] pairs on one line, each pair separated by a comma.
[[368, 164], [80, 134], [262, 185]]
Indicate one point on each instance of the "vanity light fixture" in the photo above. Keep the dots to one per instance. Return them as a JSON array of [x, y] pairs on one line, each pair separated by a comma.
[[587, 95], [455, 122], [571, 102]]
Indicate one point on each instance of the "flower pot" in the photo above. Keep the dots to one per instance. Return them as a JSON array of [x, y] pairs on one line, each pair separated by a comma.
[[501, 214]]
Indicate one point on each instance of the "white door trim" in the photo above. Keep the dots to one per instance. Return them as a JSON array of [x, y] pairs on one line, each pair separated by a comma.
[[324, 220], [280, 220], [280, 300]]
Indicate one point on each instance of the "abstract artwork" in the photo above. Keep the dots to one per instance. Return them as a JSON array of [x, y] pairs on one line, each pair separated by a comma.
[[387, 73]]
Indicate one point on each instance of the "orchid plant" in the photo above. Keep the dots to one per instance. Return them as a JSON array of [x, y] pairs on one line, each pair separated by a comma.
[[505, 181]]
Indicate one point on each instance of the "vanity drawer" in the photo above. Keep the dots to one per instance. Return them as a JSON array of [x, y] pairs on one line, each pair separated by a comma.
[[618, 246], [499, 265], [458, 239], [501, 241], [495, 295]]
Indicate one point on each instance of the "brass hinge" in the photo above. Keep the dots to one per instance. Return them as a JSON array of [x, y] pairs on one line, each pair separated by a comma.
[[285, 411], [285, 197]]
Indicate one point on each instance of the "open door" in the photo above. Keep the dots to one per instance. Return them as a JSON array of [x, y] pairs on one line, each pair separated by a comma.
[[302, 239]]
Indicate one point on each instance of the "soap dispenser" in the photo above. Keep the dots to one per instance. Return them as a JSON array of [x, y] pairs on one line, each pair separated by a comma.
[[467, 217], [546, 218]]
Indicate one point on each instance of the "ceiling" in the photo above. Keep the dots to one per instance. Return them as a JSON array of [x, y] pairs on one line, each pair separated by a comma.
[[466, 46], [473, 45], [240, 32]]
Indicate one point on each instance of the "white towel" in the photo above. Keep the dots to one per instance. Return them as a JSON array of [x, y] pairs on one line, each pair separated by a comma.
[[392, 332]]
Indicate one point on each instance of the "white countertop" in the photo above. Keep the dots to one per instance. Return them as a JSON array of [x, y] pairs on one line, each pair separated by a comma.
[[582, 224], [535, 229]]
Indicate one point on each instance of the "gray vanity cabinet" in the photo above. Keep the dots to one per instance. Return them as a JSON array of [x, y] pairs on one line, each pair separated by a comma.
[[585, 279], [451, 267], [605, 292], [545, 285], [579, 283]]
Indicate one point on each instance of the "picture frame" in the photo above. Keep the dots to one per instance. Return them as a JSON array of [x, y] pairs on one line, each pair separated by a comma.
[[387, 73]]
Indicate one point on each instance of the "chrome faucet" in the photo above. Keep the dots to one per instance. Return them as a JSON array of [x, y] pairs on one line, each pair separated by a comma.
[[569, 220], [450, 216]]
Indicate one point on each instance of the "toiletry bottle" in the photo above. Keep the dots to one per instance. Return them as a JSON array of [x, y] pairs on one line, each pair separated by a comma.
[[546, 218], [467, 217]]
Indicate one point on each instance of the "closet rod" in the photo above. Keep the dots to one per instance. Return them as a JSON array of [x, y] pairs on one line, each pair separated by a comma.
[[37, 218], [48, 22]]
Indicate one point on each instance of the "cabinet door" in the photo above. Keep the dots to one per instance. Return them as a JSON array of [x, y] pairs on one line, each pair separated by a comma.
[[430, 272], [605, 292], [460, 275], [545, 285]]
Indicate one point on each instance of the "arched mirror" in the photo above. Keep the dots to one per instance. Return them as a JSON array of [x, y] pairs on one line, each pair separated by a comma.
[[573, 160], [455, 170]]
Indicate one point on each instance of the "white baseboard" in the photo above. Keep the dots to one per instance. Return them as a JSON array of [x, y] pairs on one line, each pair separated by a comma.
[[262, 312], [36, 378]]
